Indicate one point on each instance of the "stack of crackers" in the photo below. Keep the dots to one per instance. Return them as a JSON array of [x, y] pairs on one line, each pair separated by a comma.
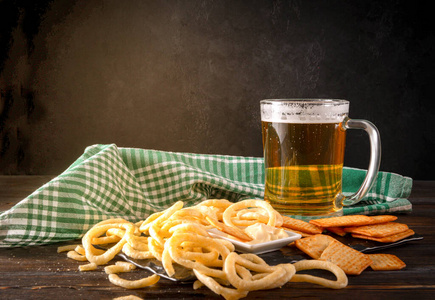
[[377, 228], [324, 247]]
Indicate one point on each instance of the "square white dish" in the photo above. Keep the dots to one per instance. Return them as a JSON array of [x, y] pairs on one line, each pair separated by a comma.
[[257, 248]]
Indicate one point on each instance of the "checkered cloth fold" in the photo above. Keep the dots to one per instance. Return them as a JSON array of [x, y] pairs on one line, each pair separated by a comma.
[[107, 182]]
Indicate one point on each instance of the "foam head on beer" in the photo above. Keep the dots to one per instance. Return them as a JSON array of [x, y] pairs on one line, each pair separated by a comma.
[[304, 111]]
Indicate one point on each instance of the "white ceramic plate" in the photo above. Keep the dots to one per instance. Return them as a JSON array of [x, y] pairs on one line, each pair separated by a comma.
[[257, 248]]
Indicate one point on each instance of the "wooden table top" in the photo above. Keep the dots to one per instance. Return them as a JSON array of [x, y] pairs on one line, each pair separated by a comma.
[[40, 272]]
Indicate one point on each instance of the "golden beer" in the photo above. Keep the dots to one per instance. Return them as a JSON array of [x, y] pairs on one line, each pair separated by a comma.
[[303, 143], [303, 167]]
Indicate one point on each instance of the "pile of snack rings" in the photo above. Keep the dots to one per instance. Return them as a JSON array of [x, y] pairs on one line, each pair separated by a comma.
[[179, 235]]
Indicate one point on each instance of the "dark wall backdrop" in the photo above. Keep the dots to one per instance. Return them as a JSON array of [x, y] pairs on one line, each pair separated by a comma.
[[188, 76]]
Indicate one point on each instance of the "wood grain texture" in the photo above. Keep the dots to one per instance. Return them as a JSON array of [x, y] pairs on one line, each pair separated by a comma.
[[42, 273]]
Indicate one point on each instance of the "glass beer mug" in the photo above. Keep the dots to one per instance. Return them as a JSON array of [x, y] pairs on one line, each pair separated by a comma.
[[303, 143]]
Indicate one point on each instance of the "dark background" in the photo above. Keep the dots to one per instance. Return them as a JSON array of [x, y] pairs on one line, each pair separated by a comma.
[[188, 76]]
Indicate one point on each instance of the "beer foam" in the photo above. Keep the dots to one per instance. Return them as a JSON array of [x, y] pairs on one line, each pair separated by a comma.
[[311, 111]]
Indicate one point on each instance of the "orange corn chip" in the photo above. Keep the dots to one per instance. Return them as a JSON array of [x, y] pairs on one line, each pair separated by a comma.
[[379, 230], [343, 221], [301, 225], [351, 261], [388, 239], [314, 245], [386, 262]]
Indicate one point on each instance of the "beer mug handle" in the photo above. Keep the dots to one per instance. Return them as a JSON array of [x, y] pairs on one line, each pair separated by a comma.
[[375, 158]]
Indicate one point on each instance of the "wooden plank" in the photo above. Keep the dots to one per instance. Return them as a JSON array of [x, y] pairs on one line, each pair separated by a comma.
[[42, 273]]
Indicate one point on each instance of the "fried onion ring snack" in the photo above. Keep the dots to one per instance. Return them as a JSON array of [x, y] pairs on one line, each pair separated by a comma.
[[340, 282], [231, 211], [178, 235], [239, 267], [96, 231]]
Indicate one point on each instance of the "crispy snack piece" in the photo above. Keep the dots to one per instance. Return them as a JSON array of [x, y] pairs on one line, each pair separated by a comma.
[[251, 203], [388, 239], [343, 221], [301, 225], [212, 284], [88, 267], [337, 230], [119, 267], [76, 256], [383, 219], [234, 231], [314, 245], [179, 235], [379, 230], [133, 284], [66, 248], [350, 260], [341, 281], [271, 276], [386, 262], [303, 234], [128, 297]]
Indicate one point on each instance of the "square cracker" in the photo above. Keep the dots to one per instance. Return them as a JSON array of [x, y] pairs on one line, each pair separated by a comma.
[[388, 239], [386, 262], [301, 225], [383, 219], [314, 245], [379, 230], [337, 230], [343, 221], [303, 234], [351, 261]]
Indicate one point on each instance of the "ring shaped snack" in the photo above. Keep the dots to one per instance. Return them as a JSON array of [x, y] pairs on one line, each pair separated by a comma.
[[189, 227], [135, 253], [88, 267], [187, 214], [76, 256], [275, 275], [179, 235], [341, 281], [219, 203], [138, 242], [97, 231], [133, 284], [156, 249], [177, 254], [227, 293], [163, 216], [119, 267], [231, 211], [145, 223], [106, 240]]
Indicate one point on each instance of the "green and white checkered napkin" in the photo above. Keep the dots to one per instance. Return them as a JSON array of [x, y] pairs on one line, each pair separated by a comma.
[[107, 181]]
